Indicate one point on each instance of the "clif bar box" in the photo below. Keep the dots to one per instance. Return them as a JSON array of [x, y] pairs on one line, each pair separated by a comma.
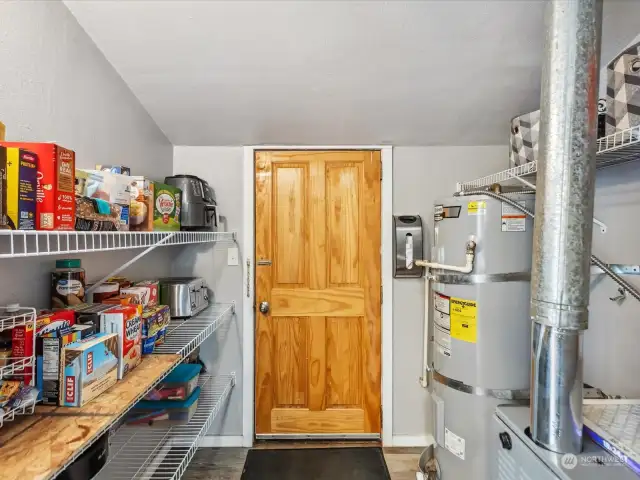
[[55, 200], [88, 368]]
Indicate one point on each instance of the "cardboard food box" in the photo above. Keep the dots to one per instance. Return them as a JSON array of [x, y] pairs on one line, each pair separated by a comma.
[[142, 294], [142, 198], [89, 313], [88, 367], [55, 200], [48, 350], [22, 336], [126, 323], [2, 131], [166, 208], [18, 169], [123, 299], [109, 187], [154, 290], [119, 169]]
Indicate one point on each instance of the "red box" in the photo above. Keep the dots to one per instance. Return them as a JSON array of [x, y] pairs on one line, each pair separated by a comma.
[[22, 336], [55, 201]]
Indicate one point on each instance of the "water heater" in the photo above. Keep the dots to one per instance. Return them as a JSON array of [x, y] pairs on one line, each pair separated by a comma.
[[480, 325]]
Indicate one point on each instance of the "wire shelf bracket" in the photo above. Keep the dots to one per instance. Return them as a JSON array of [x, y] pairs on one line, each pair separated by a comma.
[[164, 453]]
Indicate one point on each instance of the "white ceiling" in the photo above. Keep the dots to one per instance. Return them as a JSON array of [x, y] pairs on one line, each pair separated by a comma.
[[324, 72]]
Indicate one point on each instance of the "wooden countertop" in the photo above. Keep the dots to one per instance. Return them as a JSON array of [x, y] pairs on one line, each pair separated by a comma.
[[38, 446]]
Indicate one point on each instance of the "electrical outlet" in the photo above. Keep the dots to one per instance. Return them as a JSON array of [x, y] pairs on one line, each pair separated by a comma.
[[232, 256]]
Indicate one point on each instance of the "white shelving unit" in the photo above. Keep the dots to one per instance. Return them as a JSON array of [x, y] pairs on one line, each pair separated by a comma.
[[615, 149], [144, 452], [10, 319], [24, 243], [183, 336]]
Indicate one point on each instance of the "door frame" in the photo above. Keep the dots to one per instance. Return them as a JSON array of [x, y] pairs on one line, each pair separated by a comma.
[[248, 314]]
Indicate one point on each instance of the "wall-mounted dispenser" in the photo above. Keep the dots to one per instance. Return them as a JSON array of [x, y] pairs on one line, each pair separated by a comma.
[[407, 246]]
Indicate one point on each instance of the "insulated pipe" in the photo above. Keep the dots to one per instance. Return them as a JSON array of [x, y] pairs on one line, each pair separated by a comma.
[[562, 234]]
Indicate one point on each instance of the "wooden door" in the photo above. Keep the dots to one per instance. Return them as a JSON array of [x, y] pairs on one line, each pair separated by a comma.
[[318, 348]]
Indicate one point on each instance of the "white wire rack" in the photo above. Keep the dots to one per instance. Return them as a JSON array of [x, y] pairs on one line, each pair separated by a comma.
[[184, 336], [18, 366], [144, 452], [23, 243], [615, 149]]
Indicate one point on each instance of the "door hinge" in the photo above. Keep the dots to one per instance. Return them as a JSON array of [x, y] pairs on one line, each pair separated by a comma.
[[381, 290], [380, 171]]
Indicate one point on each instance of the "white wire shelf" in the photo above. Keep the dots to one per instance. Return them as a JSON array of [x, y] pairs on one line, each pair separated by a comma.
[[24, 409], [31, 243], [184, 336], [615, 149], [13, 317], [143, 452]]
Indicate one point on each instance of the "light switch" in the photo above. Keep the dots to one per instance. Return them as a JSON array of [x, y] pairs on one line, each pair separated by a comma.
[[232, 256]]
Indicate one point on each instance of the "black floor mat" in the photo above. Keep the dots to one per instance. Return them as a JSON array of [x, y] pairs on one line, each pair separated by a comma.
[[316, 464]]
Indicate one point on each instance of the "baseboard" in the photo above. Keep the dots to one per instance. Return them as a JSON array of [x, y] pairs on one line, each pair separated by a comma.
[[411, 441], [220, 441]]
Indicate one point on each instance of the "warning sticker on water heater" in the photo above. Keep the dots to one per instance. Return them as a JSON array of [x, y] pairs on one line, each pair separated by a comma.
[[513, 220], [477, 208], [464, 319], [454, 443], [441, 302], [443, 341]]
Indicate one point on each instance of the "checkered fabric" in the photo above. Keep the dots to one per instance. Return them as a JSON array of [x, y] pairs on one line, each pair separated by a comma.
[[525, 130], [623, 91]]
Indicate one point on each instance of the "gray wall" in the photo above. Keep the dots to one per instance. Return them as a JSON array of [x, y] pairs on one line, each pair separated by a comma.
[[420, 176], [57, 86], [222, 168]]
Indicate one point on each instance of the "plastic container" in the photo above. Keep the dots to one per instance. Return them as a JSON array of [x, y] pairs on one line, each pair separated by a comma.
[[178, 385], [67, 283], [164, 413]]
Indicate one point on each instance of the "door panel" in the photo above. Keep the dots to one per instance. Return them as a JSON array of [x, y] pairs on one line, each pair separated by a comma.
[[318, 348]]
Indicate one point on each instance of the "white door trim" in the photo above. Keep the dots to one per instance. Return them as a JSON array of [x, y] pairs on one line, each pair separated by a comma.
[[248, 322]]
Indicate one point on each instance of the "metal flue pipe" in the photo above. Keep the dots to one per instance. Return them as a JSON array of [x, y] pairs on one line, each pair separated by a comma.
[[564, 211]]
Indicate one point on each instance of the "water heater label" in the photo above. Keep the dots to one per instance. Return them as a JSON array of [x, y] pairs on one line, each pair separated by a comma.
[[454, 443], [464, 319], [513, 220], [477, 208], [441, 302], [443, 320], [443, 341]]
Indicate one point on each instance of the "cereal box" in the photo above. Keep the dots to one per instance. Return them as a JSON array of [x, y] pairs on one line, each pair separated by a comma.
[[88, 367], [21, 174], [55, 199], [166, 208], [126, 322], [142, 198]]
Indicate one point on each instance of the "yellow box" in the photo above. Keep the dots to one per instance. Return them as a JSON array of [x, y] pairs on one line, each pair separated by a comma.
[[2, 132]]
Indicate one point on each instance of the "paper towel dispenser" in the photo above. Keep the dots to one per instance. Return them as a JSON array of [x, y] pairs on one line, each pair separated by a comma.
[[407, 246]]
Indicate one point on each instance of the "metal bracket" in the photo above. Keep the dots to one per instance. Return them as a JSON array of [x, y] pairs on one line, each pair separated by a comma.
[[619, 268], [619, 299]]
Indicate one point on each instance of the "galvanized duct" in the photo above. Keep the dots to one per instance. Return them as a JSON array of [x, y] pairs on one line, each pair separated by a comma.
[[564, 206]]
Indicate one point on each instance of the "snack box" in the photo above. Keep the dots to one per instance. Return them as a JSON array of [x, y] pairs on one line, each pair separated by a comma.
[[2, 131], [107, 186], [142, 294], [142, 202], [154, 290], [22, 336], [154, 319], [148, 344], [166, 208], [55, 199], [48, 351], [18, 178], [88, 368], [178, 385], [164, 413], [119, 169], [89, 313], [123, 299], [126, 322]]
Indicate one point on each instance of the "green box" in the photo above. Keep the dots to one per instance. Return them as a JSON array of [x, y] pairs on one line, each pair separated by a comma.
[[166, 208]]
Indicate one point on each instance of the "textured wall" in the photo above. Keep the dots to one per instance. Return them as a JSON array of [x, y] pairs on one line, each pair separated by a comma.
[[55, 85]]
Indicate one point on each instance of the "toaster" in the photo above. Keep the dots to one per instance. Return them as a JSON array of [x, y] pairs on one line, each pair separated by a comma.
[[198, 210], [186, 296]]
